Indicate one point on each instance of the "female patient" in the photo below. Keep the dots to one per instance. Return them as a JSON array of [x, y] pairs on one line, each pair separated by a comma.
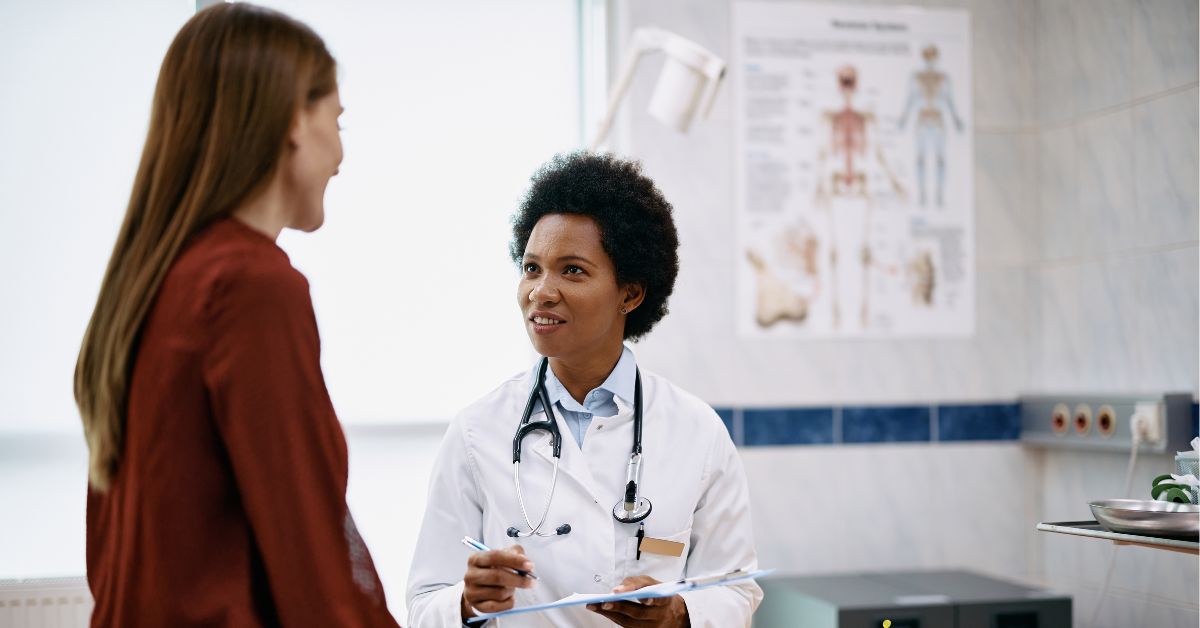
[[217, 466]]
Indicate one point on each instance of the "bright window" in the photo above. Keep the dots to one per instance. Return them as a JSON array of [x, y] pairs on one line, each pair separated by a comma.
[[450, 107]]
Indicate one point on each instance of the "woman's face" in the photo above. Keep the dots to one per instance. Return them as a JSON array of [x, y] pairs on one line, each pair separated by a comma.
[[568, 291], [316, 153]]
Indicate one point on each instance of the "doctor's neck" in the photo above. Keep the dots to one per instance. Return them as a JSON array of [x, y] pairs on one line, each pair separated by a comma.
[[583, 374]]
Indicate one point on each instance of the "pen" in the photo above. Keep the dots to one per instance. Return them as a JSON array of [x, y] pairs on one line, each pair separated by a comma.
[[472, 543], [704, 580]]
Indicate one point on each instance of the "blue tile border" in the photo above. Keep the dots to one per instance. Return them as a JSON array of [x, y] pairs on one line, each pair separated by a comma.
[[841, 425], [998, 421], [787, 426], [886, 424], [838, 425], [726, 415]]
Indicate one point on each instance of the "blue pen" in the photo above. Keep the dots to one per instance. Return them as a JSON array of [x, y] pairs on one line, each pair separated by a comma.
[[472, 543]]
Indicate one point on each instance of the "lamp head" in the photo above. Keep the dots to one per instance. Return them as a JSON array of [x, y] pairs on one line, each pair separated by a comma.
[[688, 82]]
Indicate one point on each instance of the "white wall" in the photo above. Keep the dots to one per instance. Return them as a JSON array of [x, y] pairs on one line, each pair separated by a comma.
[[447, 116], [1114, 268], [77, 87], [1086, 203], [695, 173], [905, 517]]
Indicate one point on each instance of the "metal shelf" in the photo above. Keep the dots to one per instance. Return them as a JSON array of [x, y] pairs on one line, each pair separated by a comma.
[[1096, 531]]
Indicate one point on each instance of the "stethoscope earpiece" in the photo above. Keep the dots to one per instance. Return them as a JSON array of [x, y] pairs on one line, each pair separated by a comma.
[[561, 530]]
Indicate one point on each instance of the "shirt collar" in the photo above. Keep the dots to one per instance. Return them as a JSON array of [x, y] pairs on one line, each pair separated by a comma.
[[620, 383]]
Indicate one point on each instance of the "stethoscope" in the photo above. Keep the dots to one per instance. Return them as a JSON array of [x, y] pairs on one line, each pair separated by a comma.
[[632, 509]]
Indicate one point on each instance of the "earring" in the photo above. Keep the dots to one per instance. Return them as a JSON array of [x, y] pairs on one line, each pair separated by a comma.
[[624, 311]]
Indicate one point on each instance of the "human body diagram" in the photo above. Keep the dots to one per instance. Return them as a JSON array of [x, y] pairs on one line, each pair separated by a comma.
[[931, 97], [788, 273]]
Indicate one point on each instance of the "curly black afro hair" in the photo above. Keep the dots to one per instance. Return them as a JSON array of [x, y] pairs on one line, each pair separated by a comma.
[[636, 227]]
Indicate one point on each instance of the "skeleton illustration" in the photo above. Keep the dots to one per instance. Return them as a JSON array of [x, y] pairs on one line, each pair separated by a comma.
[[843, 173], [842, 161], [929, 93]]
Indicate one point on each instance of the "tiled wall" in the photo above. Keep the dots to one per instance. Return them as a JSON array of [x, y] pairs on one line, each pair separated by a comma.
[[1113, 275], [696, 346], [1086, 227], [896, 478]]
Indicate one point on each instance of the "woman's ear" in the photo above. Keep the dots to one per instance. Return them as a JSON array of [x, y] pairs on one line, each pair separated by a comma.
[[299, 127], [632, 296]]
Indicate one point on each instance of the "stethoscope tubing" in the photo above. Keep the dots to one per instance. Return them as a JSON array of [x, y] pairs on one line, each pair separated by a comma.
[[550, 425]]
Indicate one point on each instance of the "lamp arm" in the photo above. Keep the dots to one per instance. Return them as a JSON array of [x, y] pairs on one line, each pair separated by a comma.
[[644, 40]]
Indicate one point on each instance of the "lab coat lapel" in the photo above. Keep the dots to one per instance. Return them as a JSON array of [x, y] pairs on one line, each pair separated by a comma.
[[608, 453], [572, 463]]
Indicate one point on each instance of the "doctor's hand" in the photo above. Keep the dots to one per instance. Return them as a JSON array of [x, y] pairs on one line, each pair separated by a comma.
[[665, 612], [490, 581]]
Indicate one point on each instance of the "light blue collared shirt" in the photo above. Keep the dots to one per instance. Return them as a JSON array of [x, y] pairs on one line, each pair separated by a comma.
[[598, 402]]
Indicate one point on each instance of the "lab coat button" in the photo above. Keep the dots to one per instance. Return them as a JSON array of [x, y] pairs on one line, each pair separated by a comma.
[[597, 578]]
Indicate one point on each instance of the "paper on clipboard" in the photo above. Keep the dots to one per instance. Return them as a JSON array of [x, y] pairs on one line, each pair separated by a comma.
[[662, 589]]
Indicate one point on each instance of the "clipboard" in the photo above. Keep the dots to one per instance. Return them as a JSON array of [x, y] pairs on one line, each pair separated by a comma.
[[662, 589]]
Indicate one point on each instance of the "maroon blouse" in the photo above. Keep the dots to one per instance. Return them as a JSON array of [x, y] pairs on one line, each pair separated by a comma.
[[229, 504]]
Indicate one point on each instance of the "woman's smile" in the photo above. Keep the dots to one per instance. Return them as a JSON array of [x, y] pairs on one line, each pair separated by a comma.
[[545, 322]]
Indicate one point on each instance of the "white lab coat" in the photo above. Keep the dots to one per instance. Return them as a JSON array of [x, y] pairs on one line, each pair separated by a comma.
[[690, 471]]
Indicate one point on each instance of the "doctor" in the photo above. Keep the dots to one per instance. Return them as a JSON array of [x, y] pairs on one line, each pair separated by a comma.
[[598, 252]]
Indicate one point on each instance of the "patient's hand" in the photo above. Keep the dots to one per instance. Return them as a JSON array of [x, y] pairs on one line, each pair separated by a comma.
[[665, 612]]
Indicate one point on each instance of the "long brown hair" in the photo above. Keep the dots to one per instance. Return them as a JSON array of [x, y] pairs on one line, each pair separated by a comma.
[[229, 88]]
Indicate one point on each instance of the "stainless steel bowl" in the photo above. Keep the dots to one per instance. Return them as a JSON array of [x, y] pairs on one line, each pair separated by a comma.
[[1153, 518]]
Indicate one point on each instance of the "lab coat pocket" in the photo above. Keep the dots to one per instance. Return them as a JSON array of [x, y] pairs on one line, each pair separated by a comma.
[[661, 567]]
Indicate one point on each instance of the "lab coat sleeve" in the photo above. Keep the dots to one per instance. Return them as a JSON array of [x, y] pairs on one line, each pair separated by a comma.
[[722, 541], [454, 509]]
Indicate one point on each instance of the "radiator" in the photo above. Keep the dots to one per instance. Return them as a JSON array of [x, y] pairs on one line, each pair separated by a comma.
[[45, 603]]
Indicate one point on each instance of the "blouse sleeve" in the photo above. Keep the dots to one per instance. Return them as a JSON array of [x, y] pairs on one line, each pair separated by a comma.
[[285, 446]]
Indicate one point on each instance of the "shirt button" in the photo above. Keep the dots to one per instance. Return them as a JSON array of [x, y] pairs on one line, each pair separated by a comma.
[[597, 578]]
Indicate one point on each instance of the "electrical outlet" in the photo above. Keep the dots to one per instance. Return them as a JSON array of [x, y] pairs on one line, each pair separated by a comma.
[[1083, 419], [1058, 419], [1147, 422], [1106, 420]]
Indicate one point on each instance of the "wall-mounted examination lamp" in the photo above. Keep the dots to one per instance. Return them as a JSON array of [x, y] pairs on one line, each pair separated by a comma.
[[689, 80]]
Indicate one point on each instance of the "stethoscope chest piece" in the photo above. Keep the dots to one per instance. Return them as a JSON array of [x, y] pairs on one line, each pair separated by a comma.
[[641, 509]]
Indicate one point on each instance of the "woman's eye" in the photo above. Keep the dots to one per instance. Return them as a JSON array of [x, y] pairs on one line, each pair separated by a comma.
[[530, 268], [573, 270]]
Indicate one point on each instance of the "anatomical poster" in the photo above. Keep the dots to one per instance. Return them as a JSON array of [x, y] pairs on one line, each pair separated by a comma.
[[854, 171]]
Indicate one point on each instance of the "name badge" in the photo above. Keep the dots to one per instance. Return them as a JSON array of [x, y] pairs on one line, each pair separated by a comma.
[[661, 547]]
